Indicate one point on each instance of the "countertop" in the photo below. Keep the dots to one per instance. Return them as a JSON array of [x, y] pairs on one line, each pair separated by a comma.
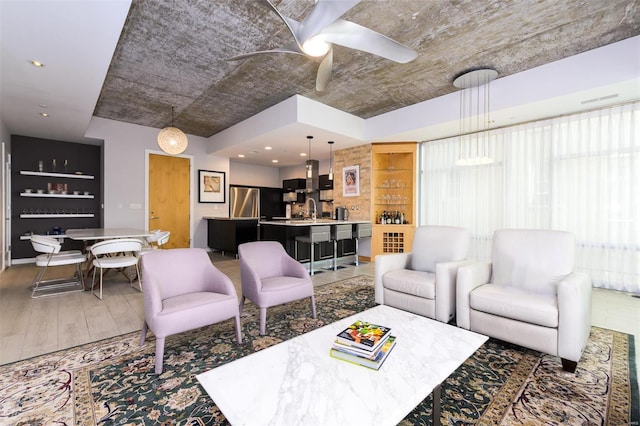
[[309, 222], [230, 218]]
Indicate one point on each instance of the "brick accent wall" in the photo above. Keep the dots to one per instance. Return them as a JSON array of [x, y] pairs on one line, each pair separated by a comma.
[[359, 206]]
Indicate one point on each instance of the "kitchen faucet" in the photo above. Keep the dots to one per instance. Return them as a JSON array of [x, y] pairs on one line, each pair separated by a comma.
[[315, 208]]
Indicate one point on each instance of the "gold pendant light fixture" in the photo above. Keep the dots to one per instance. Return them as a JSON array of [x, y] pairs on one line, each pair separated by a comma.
[[474, 116], [171, 139]]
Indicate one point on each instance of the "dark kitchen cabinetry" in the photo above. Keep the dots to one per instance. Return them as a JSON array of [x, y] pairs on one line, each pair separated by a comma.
[[292, 185], [271, 203], [226, 235], [55, 186], [324, 182]]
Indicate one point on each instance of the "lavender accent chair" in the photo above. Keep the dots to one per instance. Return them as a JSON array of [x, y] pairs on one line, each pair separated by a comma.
[[271, 277], [184, 291]]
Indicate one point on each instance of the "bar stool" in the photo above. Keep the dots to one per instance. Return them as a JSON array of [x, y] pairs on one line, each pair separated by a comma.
[[360, 231], [339, 232], [317, 234]]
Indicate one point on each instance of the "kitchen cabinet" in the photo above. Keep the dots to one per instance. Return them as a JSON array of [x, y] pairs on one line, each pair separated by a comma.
[[324, 182], [225, 235], [292, 185], [393, 195]]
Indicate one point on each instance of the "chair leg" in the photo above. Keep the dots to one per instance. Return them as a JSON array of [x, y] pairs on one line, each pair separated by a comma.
[[313, 306], [238, 329], [159, 354], [139, 279], [143, 333], [93, 282], [263, 321], [241, 303], [100, 283], [569, 366], [311, 259]]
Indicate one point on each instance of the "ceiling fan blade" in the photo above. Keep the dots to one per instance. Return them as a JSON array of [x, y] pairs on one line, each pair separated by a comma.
[[292, 24], [354, 36], [323, 13], [261, 52], [324, 72]]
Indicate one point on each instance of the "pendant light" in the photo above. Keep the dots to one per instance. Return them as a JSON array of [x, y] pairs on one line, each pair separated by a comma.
[[309, 166], [474, 116], [330, 160], [171, 139]]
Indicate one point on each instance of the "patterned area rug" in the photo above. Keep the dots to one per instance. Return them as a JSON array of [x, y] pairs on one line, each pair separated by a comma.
[[112, 381]]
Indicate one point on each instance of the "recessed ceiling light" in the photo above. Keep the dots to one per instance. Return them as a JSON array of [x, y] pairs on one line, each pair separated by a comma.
[[241, 155], [44, 114], [303, 154], [274, 161], [268, 148], [37, 63]]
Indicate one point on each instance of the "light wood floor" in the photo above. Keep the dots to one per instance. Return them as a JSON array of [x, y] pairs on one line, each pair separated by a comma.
[[30, 327]]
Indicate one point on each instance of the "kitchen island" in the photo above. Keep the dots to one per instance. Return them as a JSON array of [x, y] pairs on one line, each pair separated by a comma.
[[286, 231], [226, 234]]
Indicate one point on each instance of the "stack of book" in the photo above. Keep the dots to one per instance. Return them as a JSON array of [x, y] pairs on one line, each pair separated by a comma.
[[364, 344]]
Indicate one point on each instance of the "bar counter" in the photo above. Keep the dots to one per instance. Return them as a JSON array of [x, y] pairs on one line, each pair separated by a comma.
[[286, 231]]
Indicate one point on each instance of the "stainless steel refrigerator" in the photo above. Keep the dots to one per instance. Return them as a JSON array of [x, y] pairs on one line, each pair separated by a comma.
[[244, 202]]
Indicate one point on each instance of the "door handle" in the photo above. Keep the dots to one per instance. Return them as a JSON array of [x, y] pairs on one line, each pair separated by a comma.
[[154, 217]]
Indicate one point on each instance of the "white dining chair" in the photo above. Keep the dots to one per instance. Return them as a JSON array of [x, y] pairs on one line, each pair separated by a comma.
[[115, 254], [155, 241], [52, 256]]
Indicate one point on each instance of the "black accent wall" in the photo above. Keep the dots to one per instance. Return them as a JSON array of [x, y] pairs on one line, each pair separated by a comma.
[[62, 211]]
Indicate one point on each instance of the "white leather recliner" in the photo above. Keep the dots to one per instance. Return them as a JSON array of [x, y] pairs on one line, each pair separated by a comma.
[[529, 294], [424, 281]]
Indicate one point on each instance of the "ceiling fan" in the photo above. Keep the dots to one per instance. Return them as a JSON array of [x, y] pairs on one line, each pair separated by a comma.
[[315, 35]]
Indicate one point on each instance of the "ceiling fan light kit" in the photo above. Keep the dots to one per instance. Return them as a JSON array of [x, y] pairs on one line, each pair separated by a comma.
[[322, 28], [171, 139]]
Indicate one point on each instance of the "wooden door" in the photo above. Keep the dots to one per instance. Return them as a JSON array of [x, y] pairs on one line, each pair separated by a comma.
[[169, 198]]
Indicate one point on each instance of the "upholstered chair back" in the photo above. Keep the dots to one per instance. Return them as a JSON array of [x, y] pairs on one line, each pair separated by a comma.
[[434, 244], [532, 259], [176, 272], [265, 259]]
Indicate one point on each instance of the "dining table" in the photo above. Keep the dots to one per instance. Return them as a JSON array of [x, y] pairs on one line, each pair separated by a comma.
[[90, 235]]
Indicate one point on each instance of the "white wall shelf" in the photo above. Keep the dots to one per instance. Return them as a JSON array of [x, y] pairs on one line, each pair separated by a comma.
[[44, 216], [60, 175], [46, 195]]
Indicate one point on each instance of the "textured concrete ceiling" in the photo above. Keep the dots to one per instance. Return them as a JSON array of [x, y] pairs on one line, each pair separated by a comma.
[[172, 52]]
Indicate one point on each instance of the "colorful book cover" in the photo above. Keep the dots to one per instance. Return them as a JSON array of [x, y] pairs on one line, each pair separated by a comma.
[[366, 362], [347, 348], [364, 335]]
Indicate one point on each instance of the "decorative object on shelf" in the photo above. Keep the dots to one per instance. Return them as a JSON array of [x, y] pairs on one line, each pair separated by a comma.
[[474, 116], [57, 188], [351, 181], [171, 139], [211, 186], [330, 160], [40, 166], [53, 165]]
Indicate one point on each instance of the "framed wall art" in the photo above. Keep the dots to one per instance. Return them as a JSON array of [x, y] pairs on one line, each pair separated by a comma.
[[351, 181], [211, 186]]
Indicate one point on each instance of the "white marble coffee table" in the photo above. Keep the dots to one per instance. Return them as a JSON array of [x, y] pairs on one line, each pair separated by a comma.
[[296, 382]]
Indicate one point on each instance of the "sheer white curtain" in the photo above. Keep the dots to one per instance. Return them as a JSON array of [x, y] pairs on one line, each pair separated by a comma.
[[579, 173]]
